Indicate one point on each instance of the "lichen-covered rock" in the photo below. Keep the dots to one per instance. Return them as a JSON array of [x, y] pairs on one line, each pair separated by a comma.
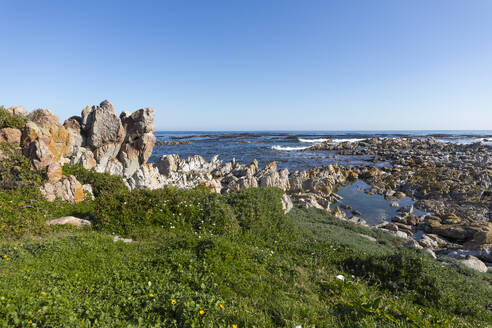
[[43, 124], [54, 172], [39, 153], [68, 189]]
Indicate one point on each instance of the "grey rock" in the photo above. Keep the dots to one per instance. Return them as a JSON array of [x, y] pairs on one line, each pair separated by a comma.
[[70, 220], [473, 263]]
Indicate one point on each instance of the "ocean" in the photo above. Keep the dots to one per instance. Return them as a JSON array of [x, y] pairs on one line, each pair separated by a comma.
[[283, 146]]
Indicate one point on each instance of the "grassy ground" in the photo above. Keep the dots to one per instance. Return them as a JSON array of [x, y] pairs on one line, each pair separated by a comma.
[[176, 278]]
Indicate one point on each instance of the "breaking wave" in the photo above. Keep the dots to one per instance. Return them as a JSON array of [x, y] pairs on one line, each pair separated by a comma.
[[276, 147], [312, 140]]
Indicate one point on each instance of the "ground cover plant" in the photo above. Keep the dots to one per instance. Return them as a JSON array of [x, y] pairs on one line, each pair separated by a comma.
[[205, 260], [8, 120]]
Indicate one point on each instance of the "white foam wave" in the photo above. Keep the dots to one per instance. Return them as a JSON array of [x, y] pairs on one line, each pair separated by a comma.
[[312, 140], [347, 140], [277, 147]]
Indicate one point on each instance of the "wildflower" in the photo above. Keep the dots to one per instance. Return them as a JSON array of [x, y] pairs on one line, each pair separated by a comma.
[[149, 284], [29, 322], [43, 293], [15, 248], [5, 256], [221, 306], [151, 295], [234, 326], [173, 302], [202, 312], [407, 318], [340, 277]]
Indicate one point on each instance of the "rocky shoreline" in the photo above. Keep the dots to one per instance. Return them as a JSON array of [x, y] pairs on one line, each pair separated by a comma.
[[452, 183]]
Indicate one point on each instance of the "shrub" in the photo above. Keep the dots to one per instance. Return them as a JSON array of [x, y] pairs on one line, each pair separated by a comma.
[[258, 208], [7, 120], [194, 210], [16, 170], [102, 183]]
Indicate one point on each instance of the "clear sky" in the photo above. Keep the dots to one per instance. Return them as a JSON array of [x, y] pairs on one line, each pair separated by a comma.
[[255, 65]]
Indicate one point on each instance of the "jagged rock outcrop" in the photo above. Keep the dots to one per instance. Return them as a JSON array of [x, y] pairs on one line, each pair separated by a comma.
[[101, 139], [110, 143], [98, 139]]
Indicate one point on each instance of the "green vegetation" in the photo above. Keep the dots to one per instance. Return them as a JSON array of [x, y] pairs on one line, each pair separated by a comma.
[[7, 120], [206, 260], [16, 171], [102, 183]]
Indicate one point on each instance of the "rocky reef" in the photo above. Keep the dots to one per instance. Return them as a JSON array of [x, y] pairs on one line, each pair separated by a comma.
[[451, 182]]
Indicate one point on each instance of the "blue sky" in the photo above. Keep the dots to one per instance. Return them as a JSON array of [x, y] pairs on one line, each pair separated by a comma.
[[255, 65]]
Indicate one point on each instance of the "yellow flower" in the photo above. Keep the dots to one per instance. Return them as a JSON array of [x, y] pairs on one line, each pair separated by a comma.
[[29, 322], [151, 295], [202, 312], [221, 306], [43, 293], [5, 256], [234, 326], [15, 248], [81, 323], [407, 318], [173, 302]]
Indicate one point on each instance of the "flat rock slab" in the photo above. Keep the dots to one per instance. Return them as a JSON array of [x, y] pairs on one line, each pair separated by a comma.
[[125, 240], [71, 220]]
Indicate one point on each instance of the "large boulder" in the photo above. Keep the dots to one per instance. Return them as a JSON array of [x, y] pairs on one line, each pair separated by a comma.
[[102, 125]]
